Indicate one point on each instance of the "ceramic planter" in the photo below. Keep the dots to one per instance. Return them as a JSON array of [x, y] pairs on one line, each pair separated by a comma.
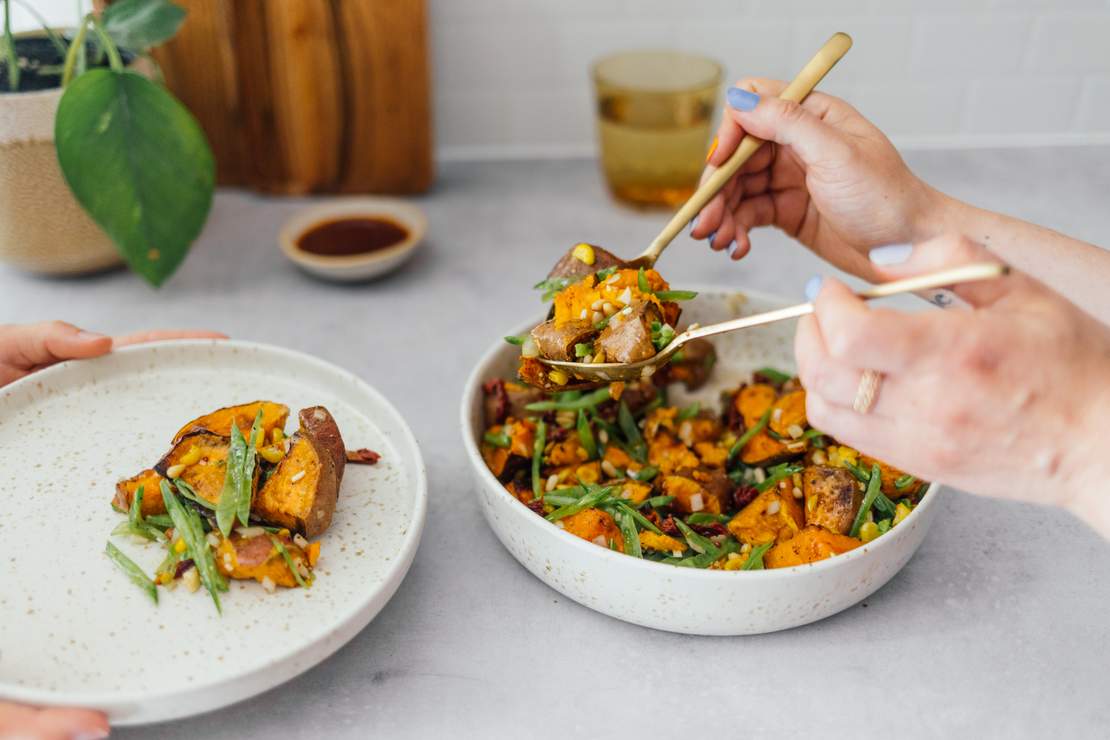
[[42, 227]]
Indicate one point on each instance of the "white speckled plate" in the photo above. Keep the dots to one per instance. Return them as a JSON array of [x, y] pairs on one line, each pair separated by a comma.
[[76, 632]]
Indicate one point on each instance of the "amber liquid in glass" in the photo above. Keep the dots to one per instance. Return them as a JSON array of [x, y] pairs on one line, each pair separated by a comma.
[[653, 146]]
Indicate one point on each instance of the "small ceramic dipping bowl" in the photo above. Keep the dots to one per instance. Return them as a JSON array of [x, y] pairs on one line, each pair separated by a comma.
[[346, 220]]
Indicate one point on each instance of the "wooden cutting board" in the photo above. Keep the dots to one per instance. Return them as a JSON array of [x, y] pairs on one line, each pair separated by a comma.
[[303, 96]]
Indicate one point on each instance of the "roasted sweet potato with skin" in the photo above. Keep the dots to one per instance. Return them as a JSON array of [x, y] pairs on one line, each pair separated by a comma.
[[627, 338], [594, 525], [773, 516], [302, 492], [557, 342], [219, 422], [152, 496], [317, 423], [808, 546], [692, 364], [256, 558], [570, 266], [698, 491], [206, 476], [832, 497]]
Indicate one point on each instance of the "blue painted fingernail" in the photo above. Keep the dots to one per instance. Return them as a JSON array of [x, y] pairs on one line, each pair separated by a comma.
[[711, 237], [813, 286], [893, 254], [742, 99]]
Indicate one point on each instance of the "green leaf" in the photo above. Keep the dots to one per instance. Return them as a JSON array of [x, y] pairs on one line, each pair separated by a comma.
[[138, 25], [138, 162]]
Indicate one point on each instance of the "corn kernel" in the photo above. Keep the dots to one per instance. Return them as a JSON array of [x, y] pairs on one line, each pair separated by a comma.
[[277, 436], [271, 455], [192, 457], [558, 377], [179, 546], [901, 511], [584, 253], [869, 531]]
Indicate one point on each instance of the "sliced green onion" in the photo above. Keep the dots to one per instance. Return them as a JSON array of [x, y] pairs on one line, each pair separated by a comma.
[[537, 458], [629, 533], [776, 474], [883, 525], [704, 560], [904, 481], [592, 498], [498, 439], [288, 561], [873, 487], [748, 435], [690, 411], [636, 446], [675, 295], [778, 377], [884, 505], [586, 435], [861, 475], [515, 340], [644, 474], [162, 521], [705, 518], [642, 282], [606, 272], [133, 571], [582, 350], [755, 557], [187, 524], [601, 395], [190, 493], [639, 518], [696, 542], [656, 502], [551, 286], [227, 508], [246, 484]]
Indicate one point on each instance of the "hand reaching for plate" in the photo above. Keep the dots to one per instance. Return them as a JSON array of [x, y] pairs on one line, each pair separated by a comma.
[[25, 348], [51, 723]]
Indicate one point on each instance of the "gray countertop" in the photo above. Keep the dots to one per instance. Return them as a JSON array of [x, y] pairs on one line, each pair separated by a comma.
[[998, 627]]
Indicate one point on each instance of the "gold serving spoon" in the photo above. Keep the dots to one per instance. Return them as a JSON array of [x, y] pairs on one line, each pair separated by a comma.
[[802, 85], [607, 372]]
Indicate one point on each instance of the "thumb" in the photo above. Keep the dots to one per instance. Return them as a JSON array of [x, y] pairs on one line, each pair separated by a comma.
[[905, 260], [797, 125]]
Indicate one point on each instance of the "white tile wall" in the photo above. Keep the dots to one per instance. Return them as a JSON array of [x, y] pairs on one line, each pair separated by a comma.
[[511, 76]]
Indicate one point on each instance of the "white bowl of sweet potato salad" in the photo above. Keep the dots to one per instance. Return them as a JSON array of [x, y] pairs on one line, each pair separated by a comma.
[[698, 501]]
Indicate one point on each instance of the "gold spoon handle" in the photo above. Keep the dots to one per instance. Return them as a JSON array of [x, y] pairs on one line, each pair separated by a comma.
[[802, 85], [954, 276]]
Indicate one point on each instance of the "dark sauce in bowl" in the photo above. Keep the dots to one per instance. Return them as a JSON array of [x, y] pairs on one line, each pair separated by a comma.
[[346, 237]]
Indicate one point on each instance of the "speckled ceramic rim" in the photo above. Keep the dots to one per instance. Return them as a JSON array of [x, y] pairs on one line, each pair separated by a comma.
[[409, 216], [606, 558], [282, 668]]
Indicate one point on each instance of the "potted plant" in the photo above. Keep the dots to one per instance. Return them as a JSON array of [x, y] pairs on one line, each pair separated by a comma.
[[97, 161]]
